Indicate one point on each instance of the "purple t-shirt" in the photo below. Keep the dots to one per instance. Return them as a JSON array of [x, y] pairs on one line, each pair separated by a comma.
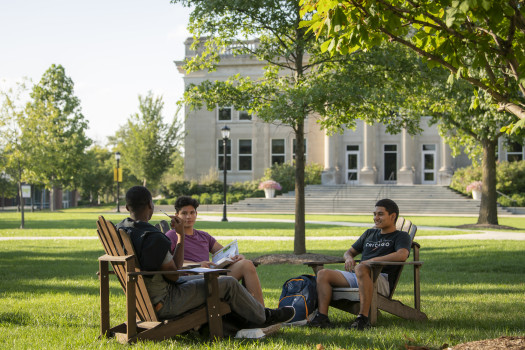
[[197, 247]]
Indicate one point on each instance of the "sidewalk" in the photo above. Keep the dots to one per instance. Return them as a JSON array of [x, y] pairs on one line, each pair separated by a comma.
[[475, 235]]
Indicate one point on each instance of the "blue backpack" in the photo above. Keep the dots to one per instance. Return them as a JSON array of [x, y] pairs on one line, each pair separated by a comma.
[[301, 293]]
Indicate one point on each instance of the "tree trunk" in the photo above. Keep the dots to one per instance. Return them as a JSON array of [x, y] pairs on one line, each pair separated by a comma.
[[488, 210], [299, 239], [52, 199]]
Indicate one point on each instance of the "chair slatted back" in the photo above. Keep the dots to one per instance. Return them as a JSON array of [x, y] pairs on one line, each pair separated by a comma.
[[117, 243], [406, 225]]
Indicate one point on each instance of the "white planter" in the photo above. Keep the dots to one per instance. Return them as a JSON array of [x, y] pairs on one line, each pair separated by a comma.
[[476, 195], [269, 192]]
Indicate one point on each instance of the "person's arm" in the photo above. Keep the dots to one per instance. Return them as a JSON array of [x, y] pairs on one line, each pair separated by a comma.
[[399, 255], [169, 266], [349, 258], [178, 253]]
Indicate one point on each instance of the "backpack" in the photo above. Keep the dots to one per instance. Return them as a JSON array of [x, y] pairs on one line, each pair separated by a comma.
[[301, 293]]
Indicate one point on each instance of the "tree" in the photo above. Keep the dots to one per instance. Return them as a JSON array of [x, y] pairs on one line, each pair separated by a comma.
[[474, 131], [53, 130], [299, 80], [146, 143], [97, 177], [14, 152], [480, 41]]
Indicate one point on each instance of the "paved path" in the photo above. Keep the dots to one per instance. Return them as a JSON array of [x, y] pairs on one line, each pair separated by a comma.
[[475, 235]]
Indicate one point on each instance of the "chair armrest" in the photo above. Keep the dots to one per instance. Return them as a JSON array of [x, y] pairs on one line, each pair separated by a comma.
[[390, 263], [321, 263], [112, 258], [178, 272], [415, 244]]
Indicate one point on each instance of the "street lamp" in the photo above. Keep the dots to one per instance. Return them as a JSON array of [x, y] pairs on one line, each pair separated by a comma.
[[225, 131], [117, 157]]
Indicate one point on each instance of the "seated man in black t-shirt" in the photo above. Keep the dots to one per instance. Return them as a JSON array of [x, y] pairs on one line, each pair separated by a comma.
[[173, 295], [382, 243]]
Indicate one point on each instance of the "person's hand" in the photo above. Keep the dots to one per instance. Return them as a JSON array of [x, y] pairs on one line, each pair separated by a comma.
[[206, 264], [349, 264], [177, 224], [237, 258]]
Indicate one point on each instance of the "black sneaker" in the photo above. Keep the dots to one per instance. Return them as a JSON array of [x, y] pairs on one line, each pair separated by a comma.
[[280, 315], [360, 323], [320, 321]]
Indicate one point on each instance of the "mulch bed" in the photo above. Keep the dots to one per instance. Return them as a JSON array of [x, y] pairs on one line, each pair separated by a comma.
[[513, 343], [487, 227], [271, 259]]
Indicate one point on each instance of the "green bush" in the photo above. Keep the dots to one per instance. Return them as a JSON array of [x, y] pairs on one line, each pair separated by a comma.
[[178, 188], [284, 174], [205, 198], [510, 177], [216, 198]]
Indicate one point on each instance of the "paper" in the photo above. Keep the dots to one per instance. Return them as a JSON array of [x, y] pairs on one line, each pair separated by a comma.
[[224, 256]]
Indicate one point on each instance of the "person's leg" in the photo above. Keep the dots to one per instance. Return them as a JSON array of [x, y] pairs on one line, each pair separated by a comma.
[[366, 288], [245, 269], [191, 293], [326, 280]]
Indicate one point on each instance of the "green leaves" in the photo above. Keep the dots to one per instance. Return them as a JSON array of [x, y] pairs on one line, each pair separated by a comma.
[[480, 41]]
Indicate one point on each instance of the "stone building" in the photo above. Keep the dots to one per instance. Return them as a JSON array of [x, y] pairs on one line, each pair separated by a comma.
[[364, 156]]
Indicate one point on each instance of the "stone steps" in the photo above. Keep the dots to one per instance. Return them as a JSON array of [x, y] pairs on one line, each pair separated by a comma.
[[418, 199]]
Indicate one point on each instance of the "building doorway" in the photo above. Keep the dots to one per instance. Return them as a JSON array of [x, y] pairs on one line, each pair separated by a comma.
[[390, 163], [352, 164], [428, 163]]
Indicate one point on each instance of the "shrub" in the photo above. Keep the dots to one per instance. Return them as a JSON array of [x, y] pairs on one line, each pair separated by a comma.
[[284, 174], [510, 177], [205, 198], [178, 188], [216, 198]]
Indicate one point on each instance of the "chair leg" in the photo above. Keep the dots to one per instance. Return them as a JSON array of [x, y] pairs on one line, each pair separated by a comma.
[[103, 275], [131, 307], [212, 305]]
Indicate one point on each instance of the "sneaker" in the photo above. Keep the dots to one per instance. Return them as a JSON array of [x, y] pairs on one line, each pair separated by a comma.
[[320, 321], [280, 315], [360, 323]]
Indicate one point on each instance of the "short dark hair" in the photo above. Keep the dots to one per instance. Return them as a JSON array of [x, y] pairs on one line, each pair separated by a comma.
[[183, 201], [389, 205], [138, 198]]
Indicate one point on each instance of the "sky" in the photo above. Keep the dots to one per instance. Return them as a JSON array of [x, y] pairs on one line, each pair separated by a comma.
[[113, 50]]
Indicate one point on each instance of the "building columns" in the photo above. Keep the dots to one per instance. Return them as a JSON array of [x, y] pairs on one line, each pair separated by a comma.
[[406, 172], [445, 172], [367, 174], [328, 175]]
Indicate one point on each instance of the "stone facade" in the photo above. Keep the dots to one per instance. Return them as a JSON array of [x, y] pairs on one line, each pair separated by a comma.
[[364, 156]]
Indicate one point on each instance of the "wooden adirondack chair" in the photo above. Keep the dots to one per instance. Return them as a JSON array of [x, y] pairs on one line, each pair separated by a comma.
[[347, 299], [142, 321]]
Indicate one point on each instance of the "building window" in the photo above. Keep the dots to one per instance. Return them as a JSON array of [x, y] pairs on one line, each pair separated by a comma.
[[220, 155], [514, 152], [245, 116], [305, 148], [245, 155], [224, 113], [278, 151], [390, 163]]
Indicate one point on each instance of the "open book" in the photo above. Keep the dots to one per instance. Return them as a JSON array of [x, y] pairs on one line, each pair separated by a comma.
[[224, 256]]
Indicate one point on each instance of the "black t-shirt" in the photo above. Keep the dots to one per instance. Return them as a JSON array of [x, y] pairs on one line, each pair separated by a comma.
[[150, 244], [372, 244]]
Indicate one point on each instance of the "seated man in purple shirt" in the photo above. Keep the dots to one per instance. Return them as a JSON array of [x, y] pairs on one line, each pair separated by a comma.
[[199, 244]]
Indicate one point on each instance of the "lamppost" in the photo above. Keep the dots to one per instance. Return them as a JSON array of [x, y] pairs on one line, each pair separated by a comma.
[[117, 178], [225, 136]]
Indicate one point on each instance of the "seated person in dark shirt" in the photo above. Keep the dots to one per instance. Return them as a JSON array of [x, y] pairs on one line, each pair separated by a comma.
[[199, 244], [173, 295], [381, 243]]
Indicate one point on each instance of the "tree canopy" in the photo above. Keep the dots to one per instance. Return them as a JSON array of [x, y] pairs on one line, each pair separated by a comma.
[[53, 131], [480, 41], [146, 143]]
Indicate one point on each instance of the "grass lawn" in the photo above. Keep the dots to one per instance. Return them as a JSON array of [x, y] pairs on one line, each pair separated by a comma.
[[470, 290], [80, 222]]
